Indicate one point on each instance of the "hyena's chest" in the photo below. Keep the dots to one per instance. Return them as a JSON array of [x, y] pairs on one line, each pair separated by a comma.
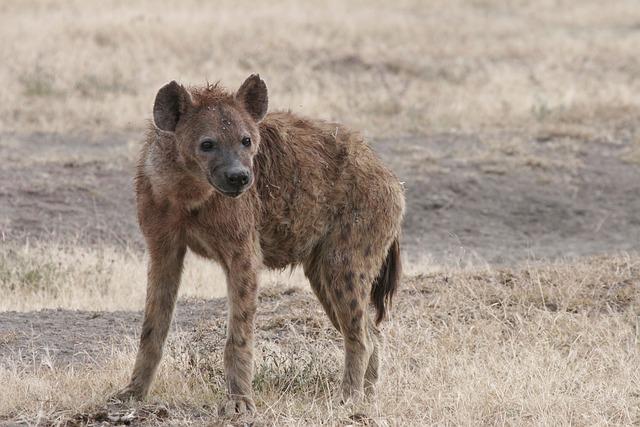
[[218, 237], [201, 244]]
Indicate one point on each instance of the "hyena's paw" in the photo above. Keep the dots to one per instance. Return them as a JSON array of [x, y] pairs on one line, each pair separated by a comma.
[[352, 396], [237, 405], [370, 392], [127, 394]]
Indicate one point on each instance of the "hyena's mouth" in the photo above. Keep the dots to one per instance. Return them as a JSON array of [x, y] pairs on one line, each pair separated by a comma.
[[233, 193]]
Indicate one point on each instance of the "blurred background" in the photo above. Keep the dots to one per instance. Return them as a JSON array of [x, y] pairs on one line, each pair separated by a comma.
[[514, 125], [390, 69]]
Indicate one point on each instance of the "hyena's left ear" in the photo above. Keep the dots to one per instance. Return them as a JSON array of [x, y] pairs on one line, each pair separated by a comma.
[[253, 96]]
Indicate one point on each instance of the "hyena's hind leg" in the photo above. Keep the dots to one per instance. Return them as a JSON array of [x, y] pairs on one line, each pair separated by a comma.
[[313, 271], [357, 271], [348, 286], [382, 288], [372, 373], [342, 273], [345, 304]]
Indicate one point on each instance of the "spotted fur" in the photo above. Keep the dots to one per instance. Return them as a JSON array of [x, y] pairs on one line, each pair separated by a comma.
[[319, 198]]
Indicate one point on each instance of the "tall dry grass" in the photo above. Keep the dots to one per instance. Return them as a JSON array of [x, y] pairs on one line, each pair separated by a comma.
[[542, 344], [389, 68], [48, 275]]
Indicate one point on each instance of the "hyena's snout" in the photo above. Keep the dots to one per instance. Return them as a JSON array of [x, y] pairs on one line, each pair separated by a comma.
[[233, 180], [238, 177]]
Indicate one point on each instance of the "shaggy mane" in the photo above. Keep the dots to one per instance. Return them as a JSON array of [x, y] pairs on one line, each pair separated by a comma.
[[211, 93]]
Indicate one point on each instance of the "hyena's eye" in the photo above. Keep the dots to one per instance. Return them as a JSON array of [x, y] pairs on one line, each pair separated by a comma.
[[207, 145], [246, 141]]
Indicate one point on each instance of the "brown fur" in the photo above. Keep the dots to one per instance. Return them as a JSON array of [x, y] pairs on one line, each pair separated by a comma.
[[319, 198]]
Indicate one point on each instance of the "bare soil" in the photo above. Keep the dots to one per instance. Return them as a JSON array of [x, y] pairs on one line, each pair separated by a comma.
[[560, 196], [465, 199], [64, 337]]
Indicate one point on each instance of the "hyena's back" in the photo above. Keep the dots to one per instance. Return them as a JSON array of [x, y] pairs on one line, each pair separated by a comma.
[[320, 183]]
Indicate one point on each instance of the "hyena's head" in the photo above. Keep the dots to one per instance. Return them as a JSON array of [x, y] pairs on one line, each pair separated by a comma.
[[216, 132]]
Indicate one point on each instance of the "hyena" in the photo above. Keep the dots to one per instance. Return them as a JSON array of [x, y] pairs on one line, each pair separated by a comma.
[[221, 177]]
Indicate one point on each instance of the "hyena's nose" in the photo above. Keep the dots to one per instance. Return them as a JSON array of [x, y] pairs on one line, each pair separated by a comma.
[[237, 177]]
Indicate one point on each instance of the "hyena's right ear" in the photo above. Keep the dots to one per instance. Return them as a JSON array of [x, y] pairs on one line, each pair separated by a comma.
[[253, 96], [171, 102]]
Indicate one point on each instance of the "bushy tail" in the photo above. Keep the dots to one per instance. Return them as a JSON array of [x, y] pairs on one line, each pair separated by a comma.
[[387, 281]]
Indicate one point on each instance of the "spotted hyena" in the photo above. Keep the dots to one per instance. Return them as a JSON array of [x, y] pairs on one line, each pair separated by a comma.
[[221, 177]]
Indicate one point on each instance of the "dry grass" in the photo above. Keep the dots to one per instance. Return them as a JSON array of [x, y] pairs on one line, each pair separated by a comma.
[[33, 277], [553, 344], [403, 67]]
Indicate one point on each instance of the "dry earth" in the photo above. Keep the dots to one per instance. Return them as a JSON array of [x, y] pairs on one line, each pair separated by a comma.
[[495, 197]]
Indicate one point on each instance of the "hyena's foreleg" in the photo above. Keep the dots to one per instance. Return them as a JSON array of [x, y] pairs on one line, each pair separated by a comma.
[[242, 288], [164, 271]]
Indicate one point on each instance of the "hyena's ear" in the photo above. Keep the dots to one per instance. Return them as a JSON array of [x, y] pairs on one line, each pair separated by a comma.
[[171, 102], [253, 96]]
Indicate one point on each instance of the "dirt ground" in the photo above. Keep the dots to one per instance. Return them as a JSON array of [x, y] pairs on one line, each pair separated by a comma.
[[496, 198], [469, 199], [64, 337]]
